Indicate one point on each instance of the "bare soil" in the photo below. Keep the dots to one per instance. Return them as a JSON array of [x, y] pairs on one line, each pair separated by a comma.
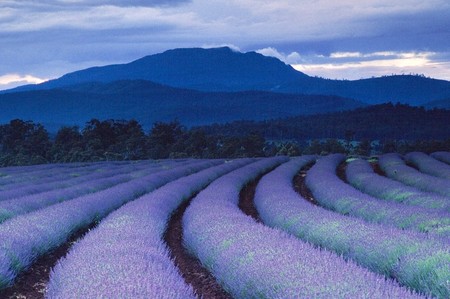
[[31, 284], [300, 185], [246, 197], [377, 169], [340, 171], [202, 281]]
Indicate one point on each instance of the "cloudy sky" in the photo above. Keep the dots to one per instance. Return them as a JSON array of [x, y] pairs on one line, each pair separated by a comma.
[[351, 39]]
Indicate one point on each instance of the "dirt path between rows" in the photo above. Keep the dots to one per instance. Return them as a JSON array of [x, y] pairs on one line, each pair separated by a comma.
[[377, 169], [32, 283], [246, 197], [300, 187], [202, 281]]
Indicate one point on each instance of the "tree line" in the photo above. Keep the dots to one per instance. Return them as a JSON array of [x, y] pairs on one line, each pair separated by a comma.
[[26, 143]]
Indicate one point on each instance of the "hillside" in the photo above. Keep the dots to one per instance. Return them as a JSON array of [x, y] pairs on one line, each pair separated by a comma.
[[440, 104], [224, 70], [149, 102], [382, 122]]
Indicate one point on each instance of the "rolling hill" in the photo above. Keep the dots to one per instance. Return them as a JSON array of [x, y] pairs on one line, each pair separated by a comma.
[[149, 102]]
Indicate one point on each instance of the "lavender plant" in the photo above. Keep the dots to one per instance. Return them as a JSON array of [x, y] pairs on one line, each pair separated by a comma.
[[99, 181], [395, 167], [26, 237], [333, 193], [56, 174], [442, 156], [251, 260], [429, 165], [360, 175], [414, 259], [127, 248]]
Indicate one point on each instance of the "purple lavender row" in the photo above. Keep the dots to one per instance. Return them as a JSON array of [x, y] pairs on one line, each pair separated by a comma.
[[429, 165], [26, 237], [34, 175], [395, 168], [55, 182], [127, 248], [442, 156], [17, 170], [414, 259], [333, 193], [17, 174], [56, 173], [62, 175], [251, 260], [361, 175], [17, 206], [37, 173]]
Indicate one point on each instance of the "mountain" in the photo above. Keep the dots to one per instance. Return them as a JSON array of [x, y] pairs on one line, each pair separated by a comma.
[[408, 89], [441, 104], [218, 69], [225, 70], [149, 102]]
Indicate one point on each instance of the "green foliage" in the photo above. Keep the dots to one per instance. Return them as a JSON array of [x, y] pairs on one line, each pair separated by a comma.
[[25, 143]]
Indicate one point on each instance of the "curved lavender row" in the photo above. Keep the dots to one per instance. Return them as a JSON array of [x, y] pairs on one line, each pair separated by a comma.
[[429, 165], [39, 173], [56, 182], [405, 255], [46, 174], [251, 260], [395, 168], [15, 172], [17, 206], [44, 177], [24, 238], [138, 257], [442, 156], [333, 193], [360, 175]]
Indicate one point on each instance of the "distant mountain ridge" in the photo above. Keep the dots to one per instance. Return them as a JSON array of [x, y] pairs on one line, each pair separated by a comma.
[[149, 102], [225, 70], [217, 69]]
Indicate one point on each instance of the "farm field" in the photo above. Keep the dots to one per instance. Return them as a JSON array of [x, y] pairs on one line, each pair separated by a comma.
[[281, 227]]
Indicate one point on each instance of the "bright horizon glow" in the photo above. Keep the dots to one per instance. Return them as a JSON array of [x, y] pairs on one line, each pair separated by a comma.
[[8, 81]]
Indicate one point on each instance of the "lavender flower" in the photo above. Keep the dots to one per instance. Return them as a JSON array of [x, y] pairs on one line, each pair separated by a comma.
[[361, 176], [333, 193], [251, 260], [414, 259], [24, 238], [429, 165], [125, 256], [98, 181], [442, 156], [395, 167]]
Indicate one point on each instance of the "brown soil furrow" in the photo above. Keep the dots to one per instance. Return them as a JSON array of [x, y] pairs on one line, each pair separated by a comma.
[[202, 281], [300, 185], [377, 169], [246, 203], [340, 171], [31, 284]]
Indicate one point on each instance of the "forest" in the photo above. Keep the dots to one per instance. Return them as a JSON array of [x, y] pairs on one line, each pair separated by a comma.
[[366, 131]]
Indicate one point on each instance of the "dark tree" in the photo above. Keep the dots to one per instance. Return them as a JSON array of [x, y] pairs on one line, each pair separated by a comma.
[[163, 137], [68, 145], [24, 143]]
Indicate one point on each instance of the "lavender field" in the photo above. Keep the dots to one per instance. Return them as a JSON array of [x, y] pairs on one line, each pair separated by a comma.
[[282, 227]]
